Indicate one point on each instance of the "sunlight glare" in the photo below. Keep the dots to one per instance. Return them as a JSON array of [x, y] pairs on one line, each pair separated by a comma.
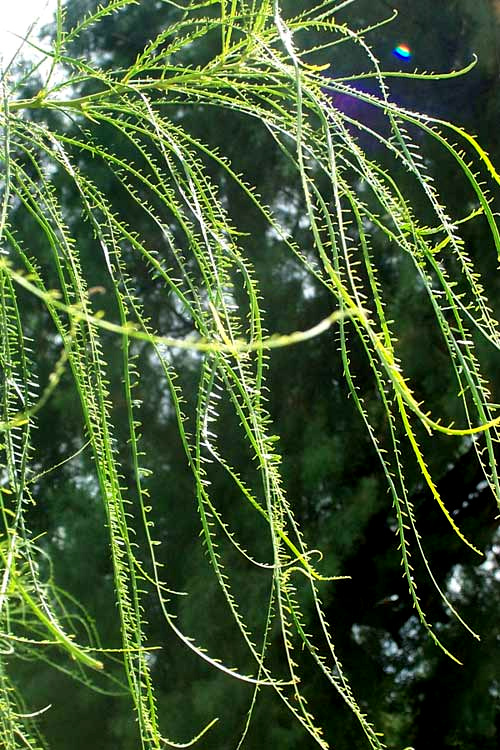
[[17, 16]]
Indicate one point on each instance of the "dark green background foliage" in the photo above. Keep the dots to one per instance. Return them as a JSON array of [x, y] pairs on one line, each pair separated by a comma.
[[411, 691]]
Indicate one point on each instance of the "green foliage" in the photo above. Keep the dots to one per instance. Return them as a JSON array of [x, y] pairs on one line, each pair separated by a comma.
[[153, 231]]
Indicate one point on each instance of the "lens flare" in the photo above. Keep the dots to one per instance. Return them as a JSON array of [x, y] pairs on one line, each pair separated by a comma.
[[403, 52]]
